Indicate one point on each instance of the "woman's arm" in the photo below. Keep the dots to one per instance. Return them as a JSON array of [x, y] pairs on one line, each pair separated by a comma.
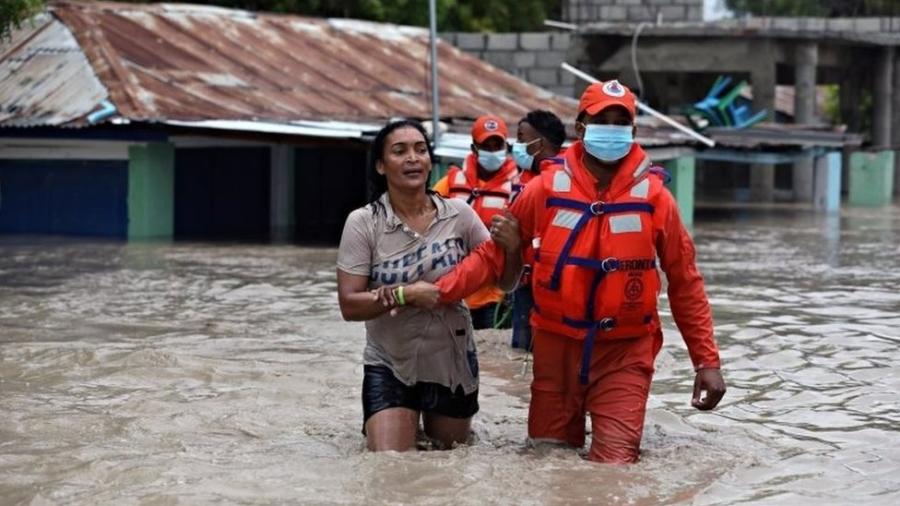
[[489, 262], [356, 301], [354, 266]]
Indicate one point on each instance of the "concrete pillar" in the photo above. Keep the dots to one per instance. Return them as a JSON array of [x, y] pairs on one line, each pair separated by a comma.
[[762, 78], [806, 59], [895, 122], [282, 215], [871, 178], [827, 186], [151, 191], [881, 98], [682, 171]]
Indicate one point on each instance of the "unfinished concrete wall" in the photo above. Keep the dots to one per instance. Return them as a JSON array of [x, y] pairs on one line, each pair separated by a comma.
[[532, 56], [587, 11]]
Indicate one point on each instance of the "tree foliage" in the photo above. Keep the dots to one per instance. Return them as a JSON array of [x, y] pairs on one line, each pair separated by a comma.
[[826, 8], [453, 15], [14, 12]]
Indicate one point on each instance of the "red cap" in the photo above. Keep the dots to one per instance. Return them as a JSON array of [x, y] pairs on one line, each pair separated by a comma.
[[599, 96], [488, 126]]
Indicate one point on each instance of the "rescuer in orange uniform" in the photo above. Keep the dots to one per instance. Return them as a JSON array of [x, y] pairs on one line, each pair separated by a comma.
[[485, 182], [538, 147], [601, 225]]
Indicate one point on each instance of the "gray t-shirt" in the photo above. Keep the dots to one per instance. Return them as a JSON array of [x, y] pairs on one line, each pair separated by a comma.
[[418, 345]]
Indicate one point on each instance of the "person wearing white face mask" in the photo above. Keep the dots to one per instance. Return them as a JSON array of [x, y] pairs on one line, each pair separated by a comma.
[[485, 182], [538, 147]]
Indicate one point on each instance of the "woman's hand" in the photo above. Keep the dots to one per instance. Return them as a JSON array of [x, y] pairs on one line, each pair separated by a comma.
[[505, 231], [422, 294], [386, 296]]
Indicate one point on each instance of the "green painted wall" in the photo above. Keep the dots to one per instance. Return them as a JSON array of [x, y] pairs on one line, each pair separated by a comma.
[[151, 191], [682, 185], [871, 178]]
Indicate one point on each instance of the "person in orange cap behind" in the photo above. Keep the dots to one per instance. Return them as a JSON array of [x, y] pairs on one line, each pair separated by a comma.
[[485, 182], [602, 223]]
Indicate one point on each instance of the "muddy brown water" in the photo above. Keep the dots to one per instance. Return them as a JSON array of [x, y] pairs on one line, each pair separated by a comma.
[[189, 374]]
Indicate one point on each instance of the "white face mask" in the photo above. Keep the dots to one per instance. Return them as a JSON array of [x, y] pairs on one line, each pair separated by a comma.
[[608, 143], [491, 161], [520, 154]]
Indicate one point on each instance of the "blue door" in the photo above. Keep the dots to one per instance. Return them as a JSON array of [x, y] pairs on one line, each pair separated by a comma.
[[66, 197]]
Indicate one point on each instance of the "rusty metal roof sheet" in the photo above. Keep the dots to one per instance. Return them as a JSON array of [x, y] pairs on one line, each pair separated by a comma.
[[45, 79], [783, 136], [191, 63]]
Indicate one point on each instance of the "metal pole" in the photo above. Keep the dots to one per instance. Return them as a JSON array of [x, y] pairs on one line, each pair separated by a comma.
[[435, 102], [646, 108]]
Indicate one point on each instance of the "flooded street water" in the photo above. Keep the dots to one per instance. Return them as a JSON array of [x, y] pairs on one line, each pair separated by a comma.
[[194, 373]]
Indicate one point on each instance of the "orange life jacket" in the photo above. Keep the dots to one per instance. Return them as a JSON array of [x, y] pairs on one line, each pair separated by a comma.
[[524, 177], [488, 198], [595, 262]]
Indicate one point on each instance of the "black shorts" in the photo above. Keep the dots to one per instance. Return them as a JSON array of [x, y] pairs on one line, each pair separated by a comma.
[[381, 390]]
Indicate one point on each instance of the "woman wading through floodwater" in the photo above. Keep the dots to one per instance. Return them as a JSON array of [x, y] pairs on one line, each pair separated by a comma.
[[416, 361]]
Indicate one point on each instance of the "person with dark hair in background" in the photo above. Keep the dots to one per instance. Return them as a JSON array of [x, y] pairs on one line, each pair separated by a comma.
[[538, 147], [485, 181], [539, 144], [417, 362]]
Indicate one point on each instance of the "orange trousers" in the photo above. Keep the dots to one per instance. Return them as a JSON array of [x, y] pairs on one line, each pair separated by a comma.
[[615, 395]]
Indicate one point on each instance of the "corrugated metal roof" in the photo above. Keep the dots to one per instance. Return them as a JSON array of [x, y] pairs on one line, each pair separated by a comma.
[[783, 136], [337, 130], [45, 79], [192, 63]]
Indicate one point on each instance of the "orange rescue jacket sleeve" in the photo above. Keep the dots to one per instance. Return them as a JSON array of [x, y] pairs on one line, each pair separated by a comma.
[[485, 263], [687, 295], [482, 266]]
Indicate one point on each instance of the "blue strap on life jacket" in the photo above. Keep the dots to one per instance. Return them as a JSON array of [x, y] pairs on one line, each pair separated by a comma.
[[592, 328], [588, 211], [587, 349], [662, 172]]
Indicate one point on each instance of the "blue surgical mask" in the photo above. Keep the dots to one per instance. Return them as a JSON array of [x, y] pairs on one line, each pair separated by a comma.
[[521, 156], [491, 161], [608, 143]]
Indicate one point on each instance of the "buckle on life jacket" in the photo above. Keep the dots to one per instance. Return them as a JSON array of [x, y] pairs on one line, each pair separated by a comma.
[[606, 324], [597, 208], [609, 264]]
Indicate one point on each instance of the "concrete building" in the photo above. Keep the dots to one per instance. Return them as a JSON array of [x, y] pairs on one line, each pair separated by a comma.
[[787, 61], [676, 62]]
